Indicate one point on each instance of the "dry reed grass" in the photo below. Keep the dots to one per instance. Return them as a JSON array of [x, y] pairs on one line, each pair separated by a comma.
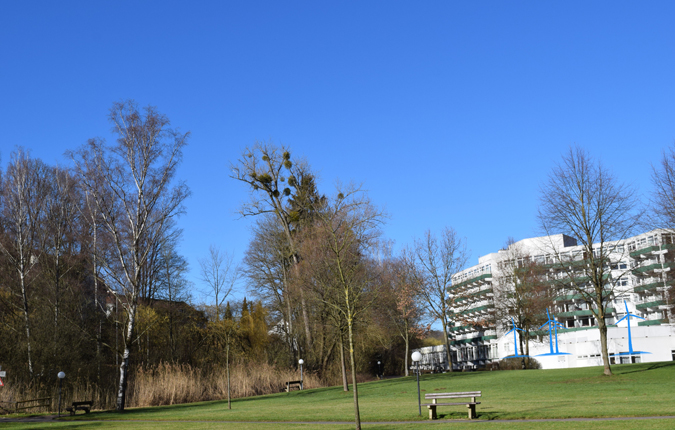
[[169, 384]]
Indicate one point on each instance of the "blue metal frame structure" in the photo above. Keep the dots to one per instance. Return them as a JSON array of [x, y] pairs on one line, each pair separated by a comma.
[[630, 340], [553, 326], [515, 339]]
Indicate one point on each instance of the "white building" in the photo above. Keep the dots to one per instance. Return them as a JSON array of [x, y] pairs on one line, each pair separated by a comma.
[[639, 276]]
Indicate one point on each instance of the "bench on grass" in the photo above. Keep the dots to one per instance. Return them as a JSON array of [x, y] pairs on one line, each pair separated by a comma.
[[293, 384], [435, 397], [80, 406]]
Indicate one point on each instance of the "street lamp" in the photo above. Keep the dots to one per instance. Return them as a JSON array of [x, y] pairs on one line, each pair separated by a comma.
[[379, 369], [61, 375], [416, 357], [301, 362]]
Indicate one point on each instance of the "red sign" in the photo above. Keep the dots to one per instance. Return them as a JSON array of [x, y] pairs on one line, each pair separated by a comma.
[[1, 384]]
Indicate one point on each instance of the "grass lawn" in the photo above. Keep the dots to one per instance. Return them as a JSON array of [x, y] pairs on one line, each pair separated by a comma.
[[635, 390]]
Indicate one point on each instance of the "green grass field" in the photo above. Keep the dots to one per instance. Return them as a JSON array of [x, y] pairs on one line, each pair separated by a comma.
[[635, 390]]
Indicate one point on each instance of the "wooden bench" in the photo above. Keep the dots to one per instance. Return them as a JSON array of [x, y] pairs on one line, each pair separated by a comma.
[[80, 406], [44, 402], [434, 397], [293, 384]]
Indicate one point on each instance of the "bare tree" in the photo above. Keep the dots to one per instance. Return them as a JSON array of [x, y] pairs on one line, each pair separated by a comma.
[[266, 266], [521, 292], [23, 211], [403, 304], [583, 200], [663, 208], [220, 273], [663, 197], [349, 225], [138, 172], [436, 261]]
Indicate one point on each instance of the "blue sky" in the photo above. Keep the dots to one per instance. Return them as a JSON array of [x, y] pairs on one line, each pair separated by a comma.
[[450, 113]]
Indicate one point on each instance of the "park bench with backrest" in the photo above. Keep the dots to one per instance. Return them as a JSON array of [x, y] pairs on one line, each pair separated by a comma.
[[80, 406], [435, 397], [293, 384]]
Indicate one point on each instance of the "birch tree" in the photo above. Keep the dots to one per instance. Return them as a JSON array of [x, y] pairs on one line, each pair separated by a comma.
[[24, 193], [133, 186]]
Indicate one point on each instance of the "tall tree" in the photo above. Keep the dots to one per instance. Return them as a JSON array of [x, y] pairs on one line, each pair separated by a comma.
[[271, 175], [266, 267], [436, 260], [24, 192], [583, 200], [663, 207], [138, 172], [349, 224]]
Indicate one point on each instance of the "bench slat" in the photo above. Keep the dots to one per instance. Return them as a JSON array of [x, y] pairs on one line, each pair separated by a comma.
[[450, 404], [450, 397]]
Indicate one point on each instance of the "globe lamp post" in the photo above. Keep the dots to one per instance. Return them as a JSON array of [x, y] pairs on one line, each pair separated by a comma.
[[61, 375], [301, 362], [416, 357]]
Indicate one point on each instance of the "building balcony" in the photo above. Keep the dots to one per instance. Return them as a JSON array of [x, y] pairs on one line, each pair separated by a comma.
[[475, 296], [480, 279], [461, 329], [653, 304], [569, 298], [565, 265], [477, 310], [644, 252], [652, 286], [582, 313], [652, 269], [653, 322]]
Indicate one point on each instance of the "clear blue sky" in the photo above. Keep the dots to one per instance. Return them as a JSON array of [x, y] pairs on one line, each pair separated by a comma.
[[450, 113]]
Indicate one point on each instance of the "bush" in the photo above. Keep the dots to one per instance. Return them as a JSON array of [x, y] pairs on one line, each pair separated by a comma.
[[516, 363]]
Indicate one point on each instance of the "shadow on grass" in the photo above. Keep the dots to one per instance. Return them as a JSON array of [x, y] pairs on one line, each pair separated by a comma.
[[643, 367], [75, 425], [465, 416]]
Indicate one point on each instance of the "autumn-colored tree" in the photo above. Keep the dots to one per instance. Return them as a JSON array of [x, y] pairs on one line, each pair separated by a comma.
[[403, 303]]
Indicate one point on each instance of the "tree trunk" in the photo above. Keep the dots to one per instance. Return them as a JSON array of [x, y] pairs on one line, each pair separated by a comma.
[[447, 343], [602, 326], [357, 416], [124, 366], [345, 385], [407, 351], [227, 366], [303, 303], [24, 296]]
